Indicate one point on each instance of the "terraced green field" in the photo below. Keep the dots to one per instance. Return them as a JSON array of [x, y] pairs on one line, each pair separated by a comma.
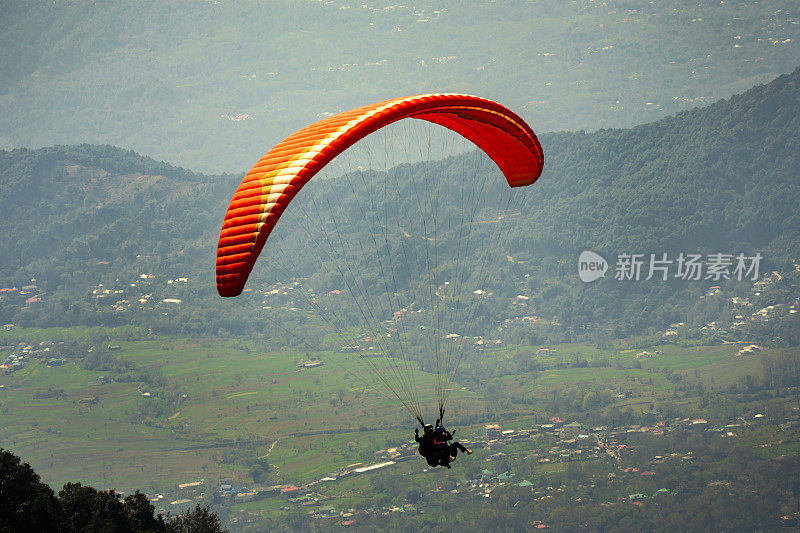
[[232, 395], [213, 402]]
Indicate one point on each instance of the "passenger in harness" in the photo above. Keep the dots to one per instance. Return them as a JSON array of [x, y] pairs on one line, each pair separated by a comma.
[[434, 447], [446, 452]]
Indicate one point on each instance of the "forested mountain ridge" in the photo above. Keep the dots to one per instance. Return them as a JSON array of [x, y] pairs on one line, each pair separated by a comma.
[[71, 205], [718, 179], [714, 177]]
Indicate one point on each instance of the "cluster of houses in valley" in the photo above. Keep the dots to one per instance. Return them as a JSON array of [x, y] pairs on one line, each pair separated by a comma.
[[289, 295], [573, 441], [562, 442], [750, 349], [522, 321], [22, 352], [742, 312], [146, 292], [647, 355], [293, 295], [23, 296], [302, 364]]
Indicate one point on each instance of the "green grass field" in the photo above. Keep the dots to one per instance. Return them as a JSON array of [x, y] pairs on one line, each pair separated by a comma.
[[235, 392], [235, 399]]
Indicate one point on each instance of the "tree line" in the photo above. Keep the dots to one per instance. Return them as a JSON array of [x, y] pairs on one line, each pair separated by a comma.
[[28, 504]]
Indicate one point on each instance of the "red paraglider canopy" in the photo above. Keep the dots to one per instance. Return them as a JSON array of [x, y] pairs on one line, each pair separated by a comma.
[[277, 178]]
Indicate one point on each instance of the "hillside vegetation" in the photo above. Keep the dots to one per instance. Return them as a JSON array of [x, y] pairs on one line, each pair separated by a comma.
[[96, 226]]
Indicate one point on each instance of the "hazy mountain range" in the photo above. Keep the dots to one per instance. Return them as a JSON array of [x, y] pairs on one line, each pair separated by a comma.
[[212, 85]]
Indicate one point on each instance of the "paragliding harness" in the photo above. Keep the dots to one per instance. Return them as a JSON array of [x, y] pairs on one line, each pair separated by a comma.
[[433, 445], [441, 435]]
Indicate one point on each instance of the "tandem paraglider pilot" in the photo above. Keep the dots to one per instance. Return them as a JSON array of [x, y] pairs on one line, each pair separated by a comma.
[[435, 447]]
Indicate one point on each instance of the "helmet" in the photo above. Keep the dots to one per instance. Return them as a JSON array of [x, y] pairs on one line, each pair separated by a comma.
[[428, 428]]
